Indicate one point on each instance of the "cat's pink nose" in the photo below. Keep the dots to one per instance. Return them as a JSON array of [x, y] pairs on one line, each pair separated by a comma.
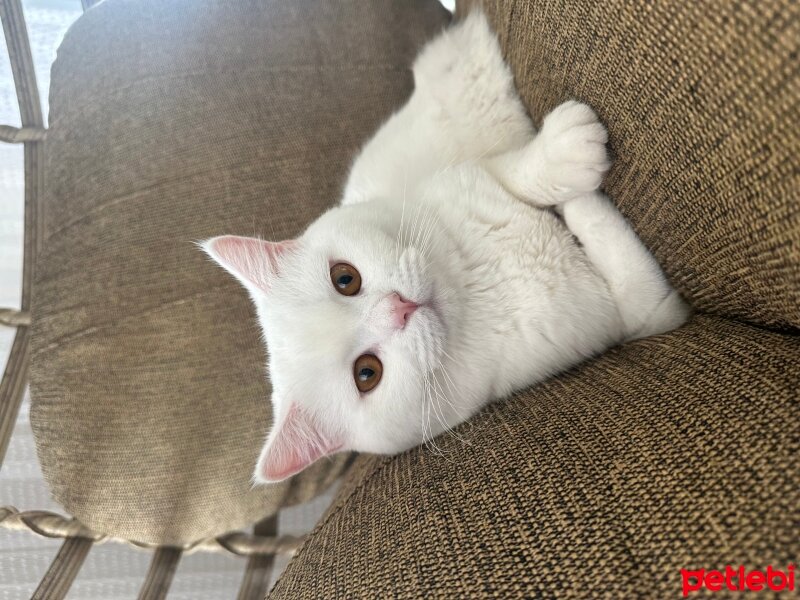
[[401, 309]]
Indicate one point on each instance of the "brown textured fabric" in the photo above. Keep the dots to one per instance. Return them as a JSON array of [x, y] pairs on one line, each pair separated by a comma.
[[702, 101], [680, 451], [172, 121], [676, 452]]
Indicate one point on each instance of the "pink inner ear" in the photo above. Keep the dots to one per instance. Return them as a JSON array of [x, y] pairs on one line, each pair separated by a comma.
[[251, 260], [293, 444]]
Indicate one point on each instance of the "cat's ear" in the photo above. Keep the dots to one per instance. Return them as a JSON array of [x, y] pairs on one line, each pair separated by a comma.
[[252, 261], [293, 444]]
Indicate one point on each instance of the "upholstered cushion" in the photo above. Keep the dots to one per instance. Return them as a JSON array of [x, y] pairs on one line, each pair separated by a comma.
[[172, 121], [674, 452], [701, 103]]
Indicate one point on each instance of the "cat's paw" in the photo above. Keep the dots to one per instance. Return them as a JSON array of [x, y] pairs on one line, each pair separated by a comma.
[[571, 152]]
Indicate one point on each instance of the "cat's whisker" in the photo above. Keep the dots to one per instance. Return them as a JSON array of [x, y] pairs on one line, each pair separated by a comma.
[[451, 388], [442, 396], [430, 442], [453, 360], [425, 223], [441, 418], [399, 241], [456, 409], [427, 227], [422, 426], [435, 407], [418, 222], [411, 224], [425, 421], [428, 237], [437, 449], [424, 211], [422, 412], [451, 385], [432, 445]]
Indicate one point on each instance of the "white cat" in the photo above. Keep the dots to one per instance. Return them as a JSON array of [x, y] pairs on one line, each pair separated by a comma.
[[445, 279]]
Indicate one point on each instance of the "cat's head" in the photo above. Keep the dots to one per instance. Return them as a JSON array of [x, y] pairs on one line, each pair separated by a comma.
[[355, 316]]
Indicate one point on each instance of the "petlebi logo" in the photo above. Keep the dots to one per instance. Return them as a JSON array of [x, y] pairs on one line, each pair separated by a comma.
[[739, 579]]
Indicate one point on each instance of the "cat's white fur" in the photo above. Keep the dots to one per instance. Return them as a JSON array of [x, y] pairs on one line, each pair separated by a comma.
[[523, 269]]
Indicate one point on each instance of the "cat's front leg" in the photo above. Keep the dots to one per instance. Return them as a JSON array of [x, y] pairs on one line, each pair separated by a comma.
[[566, 159], [563, 167], [645, 299]]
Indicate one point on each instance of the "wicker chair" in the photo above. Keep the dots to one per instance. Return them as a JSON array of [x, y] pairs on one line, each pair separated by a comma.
[[259, 548], [214, 502], [674, 452]]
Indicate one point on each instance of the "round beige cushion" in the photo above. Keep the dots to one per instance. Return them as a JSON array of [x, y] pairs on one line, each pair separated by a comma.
[[173, 121]]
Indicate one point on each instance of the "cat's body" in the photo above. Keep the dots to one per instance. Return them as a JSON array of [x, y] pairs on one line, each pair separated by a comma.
[[470, 285]]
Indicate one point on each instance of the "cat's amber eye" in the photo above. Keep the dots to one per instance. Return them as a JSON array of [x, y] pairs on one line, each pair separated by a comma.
[[367, 371], [346, 279]]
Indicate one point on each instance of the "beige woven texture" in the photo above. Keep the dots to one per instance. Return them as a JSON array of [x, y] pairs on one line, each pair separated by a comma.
[[679, 451], [701, 100], [172, 121]]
